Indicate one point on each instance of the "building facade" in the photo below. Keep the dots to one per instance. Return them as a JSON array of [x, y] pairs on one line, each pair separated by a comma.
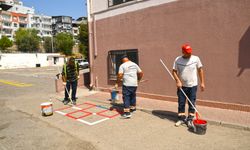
[[76, 25], [43, 24], [13, 15], [61, 24], [150, 30]]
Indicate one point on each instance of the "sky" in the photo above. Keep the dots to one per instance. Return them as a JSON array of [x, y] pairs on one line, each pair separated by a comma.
[[73, 8]]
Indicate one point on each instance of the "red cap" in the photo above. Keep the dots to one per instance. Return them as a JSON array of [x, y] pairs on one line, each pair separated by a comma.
[[187, 48]]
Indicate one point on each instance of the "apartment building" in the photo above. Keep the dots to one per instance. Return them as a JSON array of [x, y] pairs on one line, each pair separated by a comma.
[[43, 24], [76, 25], [150, 30], [61, 24], [14, 15]]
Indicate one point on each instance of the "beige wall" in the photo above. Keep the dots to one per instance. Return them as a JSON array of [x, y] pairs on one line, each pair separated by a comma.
[[218, 31]]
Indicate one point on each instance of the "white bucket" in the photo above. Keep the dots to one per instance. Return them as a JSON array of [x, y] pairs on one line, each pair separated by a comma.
[[47, 109]]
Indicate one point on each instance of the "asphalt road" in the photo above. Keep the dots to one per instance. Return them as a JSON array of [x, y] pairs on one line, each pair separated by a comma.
[[20, 130], [22, 126]]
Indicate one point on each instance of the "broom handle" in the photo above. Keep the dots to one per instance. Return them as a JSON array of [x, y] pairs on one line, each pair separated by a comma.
[[68, 93], [180, 87], [65, 86]]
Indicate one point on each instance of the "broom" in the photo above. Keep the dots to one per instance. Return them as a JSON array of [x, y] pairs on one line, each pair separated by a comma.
[[196, 111]]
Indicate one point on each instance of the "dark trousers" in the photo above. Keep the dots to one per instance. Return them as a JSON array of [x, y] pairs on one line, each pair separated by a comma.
[[191, 94], [73, 85], [129, 96]]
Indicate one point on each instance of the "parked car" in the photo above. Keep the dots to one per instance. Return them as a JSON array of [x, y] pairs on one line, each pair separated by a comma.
[[83, 64]]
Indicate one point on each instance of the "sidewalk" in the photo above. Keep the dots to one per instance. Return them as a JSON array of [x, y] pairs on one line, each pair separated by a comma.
[[229, 118]]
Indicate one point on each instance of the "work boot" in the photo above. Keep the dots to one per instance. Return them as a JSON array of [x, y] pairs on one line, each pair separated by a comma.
[[133, 110], [74, 102], [65, 102], [190, 123], [126, 115], [181, 120]]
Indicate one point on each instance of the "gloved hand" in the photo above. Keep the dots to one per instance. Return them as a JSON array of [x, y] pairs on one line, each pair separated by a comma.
[[64, 83], [116, 86]]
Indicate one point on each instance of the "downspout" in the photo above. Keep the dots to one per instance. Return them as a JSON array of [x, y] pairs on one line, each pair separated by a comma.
[[95, 47], [90, 22], [94, 34]]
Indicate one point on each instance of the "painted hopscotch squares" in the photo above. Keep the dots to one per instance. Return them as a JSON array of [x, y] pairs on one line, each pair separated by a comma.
[[89, 113]]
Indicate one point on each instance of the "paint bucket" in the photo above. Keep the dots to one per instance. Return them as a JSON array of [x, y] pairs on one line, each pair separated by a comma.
[[114, 95], [200, 126], [47, 109]]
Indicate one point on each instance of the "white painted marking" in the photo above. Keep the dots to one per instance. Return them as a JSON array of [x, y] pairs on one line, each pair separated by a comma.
[[77, 108], [62, 113], [92, 123]]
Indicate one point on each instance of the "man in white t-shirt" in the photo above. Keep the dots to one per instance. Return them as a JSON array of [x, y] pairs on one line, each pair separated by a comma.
[[130, 74], [185, 70]]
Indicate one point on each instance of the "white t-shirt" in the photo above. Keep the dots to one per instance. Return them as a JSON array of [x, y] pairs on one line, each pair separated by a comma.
[[187, 70], [129, 70]]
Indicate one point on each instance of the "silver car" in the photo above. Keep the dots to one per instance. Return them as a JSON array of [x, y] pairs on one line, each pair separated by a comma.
[[83, 64]]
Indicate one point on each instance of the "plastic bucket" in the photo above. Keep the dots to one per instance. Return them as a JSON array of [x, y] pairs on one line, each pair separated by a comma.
[[200, 126], [47, 109], [114, 95]]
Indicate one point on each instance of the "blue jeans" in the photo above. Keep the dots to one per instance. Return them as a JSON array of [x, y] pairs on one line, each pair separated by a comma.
[[73, 85], [129, 96], [191, 94]]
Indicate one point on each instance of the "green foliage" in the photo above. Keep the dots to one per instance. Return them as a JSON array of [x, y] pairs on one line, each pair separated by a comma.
[[48, 44], [27, 40], [64, 43], [83, 50], [84, 40], [5, 42]]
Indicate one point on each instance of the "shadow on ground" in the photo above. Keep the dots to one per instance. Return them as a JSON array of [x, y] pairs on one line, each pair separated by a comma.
[[171, 116]]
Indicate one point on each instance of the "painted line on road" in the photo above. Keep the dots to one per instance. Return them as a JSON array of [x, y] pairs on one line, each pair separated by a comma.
[[92, 123], [14, 83], [88, 113]]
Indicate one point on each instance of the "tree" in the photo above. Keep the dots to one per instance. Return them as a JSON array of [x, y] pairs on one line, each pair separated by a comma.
[[64, 43], [84, 40], [5, 42], [48, 44], [27, 40]]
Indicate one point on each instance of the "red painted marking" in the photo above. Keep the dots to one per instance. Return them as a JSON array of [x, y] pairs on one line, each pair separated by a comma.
[[89, 103], [92, 105], [112, 116], [86, 114], [62, 108], [85, 103], [88, 107]]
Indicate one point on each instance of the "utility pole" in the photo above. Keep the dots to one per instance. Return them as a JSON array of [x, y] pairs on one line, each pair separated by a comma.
[[52, 44]]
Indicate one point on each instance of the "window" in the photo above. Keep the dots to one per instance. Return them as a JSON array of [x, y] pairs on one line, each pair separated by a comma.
[[114, 61], [117, 2]]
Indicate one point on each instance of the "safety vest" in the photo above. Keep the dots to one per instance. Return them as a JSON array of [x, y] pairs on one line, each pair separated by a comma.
[[65, 69]]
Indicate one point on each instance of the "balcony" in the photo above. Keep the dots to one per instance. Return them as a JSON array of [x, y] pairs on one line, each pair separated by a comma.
[[4, 5]]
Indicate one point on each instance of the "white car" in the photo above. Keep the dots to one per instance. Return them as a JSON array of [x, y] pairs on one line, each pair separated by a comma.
[[83, 64]]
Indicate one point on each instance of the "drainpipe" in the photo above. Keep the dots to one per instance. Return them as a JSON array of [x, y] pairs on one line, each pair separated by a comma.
[[90, 22], [94, 34]]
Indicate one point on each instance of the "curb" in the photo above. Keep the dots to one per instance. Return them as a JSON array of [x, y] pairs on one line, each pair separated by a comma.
[[211, 122]]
